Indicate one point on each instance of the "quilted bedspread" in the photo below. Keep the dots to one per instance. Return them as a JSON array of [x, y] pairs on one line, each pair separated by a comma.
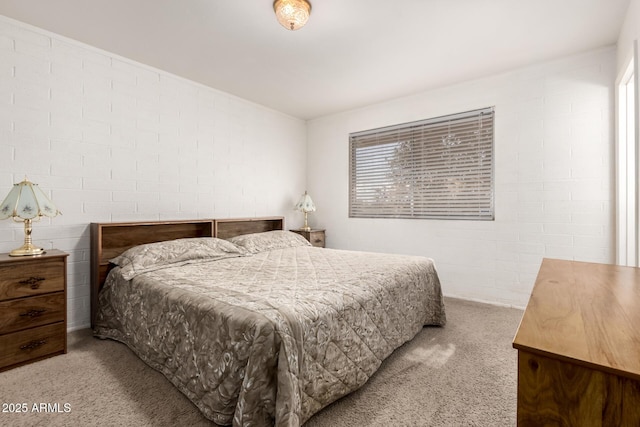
[[272, 338]]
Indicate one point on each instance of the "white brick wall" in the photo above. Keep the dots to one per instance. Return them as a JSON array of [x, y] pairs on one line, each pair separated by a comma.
[[553, 178], [113, 140]]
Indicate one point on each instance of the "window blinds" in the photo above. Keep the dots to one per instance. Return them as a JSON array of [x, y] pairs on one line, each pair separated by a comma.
[[436, 168]]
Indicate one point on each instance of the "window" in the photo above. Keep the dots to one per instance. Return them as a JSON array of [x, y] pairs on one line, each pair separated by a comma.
[[440, 168]]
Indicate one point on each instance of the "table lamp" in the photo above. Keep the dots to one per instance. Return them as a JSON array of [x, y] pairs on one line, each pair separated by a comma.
[[27, 202], [305, 204]]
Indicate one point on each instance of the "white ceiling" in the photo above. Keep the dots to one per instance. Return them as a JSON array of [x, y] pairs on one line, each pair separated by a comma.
[[351, 53]]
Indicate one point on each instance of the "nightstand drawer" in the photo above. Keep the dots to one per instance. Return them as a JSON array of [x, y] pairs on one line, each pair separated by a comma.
[[31, 312], [32, 344], [31, 277], [315, 237]]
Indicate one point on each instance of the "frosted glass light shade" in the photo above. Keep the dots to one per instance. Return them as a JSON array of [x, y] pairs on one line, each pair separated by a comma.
[[305, 204], [27, 201], [292, 14]]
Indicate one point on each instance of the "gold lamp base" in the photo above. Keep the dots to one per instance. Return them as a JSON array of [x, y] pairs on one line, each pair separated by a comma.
[[305, 227], [26, 250]]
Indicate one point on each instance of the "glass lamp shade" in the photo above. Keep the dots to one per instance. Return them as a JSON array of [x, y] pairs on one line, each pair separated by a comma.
[[292, 14], [305, 204], [25, 202]]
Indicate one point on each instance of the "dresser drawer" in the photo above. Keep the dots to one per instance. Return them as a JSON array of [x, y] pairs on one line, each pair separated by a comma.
[[32, 344], [31, 277], [31, 312]]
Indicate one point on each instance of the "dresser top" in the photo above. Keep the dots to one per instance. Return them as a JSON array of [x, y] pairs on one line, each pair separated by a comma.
[[49, 253], [585, 313]]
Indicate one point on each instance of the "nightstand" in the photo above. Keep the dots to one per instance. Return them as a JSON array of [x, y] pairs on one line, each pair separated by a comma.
[[315, 237], [33, 307]]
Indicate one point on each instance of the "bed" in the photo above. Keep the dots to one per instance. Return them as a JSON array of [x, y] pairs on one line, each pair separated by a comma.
[[252, 323]]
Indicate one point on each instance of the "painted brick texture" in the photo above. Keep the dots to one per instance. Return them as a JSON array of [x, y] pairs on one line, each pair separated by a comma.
[[553, 177], [113, 140]]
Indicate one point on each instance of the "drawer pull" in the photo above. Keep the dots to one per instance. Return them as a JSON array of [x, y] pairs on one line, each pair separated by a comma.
[[33, 282], [317, 241], [33, 344], [33, 313]]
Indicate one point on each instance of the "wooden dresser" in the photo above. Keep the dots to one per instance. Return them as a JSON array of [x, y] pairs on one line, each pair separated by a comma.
[[315, 237], [579, 347], [33, 308]]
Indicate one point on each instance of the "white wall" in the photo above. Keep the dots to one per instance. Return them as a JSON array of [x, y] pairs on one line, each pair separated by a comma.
[[113, 140], [628, 33], [553, 178]]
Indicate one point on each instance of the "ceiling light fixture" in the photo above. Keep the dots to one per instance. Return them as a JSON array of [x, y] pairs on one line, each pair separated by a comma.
[[292, 14]]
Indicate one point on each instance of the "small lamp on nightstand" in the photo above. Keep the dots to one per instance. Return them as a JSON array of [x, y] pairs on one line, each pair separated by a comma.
[[305, 205], [25, 202]]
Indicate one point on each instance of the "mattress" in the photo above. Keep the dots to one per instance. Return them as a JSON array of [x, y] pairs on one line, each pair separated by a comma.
[[272, 337]]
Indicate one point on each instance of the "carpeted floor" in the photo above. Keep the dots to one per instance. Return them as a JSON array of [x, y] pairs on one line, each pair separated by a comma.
[[463, 374]]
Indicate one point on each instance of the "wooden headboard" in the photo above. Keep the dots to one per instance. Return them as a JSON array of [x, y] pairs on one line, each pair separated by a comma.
[[110, 239], [227, 228]]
